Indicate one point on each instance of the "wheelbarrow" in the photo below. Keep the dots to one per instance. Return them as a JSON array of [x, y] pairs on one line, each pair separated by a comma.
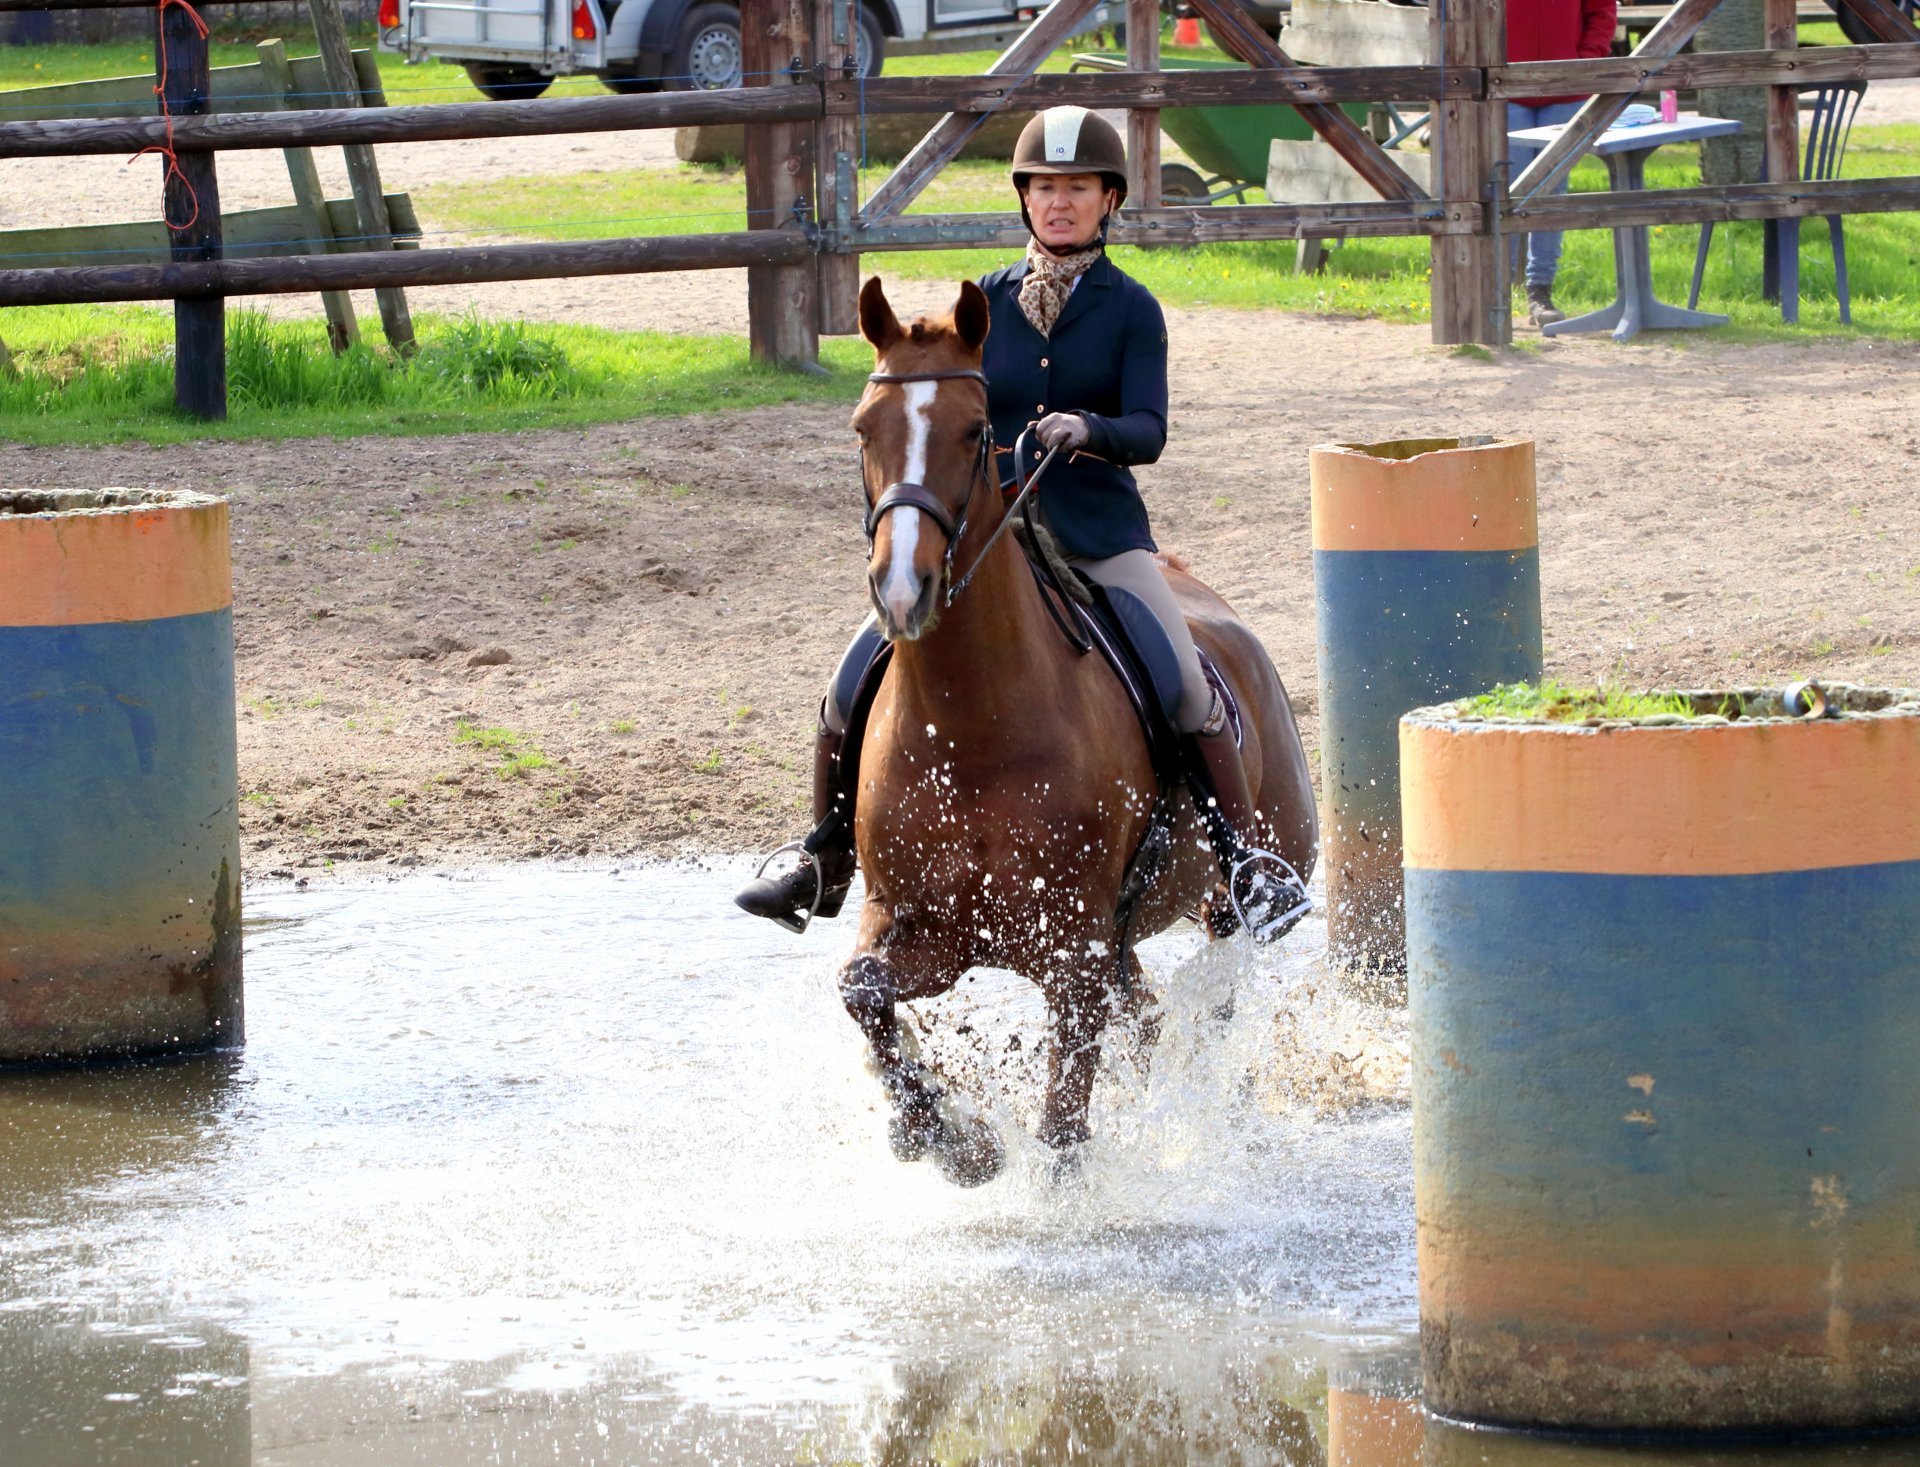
[[1231, 143]]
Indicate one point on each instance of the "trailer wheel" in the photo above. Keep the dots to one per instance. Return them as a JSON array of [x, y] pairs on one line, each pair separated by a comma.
[[707, 55], [872, 49], [501, 83]]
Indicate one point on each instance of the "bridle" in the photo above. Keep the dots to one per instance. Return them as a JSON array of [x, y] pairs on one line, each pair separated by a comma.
[[905, 494]]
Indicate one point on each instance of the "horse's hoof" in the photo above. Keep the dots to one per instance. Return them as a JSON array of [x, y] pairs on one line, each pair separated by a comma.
[[1064, 1169], [969, 1154], [911, 1139]]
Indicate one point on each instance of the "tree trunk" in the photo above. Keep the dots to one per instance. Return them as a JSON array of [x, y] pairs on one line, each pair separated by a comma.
[[1738, 25]]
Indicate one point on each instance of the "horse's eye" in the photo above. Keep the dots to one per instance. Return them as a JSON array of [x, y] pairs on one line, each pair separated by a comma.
[[974, 430]]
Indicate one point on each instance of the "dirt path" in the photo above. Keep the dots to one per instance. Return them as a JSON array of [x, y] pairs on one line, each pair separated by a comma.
[[653, 606]]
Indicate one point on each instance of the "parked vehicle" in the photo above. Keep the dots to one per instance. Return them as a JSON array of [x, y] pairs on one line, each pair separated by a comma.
[[514, 48]]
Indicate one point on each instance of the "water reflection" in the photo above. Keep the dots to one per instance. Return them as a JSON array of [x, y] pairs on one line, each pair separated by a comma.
[[82, 1393]]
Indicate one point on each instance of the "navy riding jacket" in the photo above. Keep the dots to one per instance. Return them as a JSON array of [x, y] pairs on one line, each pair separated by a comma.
[[1106, 360]]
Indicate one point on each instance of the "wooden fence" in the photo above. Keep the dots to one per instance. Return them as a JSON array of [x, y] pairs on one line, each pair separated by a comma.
[[809, 228]]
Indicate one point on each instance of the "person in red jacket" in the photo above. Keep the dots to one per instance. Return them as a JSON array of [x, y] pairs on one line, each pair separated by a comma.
[[1549, 30]]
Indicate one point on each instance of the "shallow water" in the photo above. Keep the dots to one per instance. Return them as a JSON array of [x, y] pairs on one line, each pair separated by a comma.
[[546, 1165]]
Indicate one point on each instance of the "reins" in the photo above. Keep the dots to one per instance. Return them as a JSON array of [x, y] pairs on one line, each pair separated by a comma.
[[905, 494]]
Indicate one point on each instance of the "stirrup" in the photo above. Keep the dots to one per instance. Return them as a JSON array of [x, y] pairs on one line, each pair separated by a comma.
[[1268, 895], [801, 921]]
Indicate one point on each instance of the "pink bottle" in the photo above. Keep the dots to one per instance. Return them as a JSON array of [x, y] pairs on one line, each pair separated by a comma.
[[1669, 106]]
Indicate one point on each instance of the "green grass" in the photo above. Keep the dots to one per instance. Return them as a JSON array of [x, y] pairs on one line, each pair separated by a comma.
[[522, 754], [1552, 701], [93, 374]]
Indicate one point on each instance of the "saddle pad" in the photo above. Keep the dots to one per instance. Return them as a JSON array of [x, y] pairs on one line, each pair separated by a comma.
[[1128, 620], [1143, 633]]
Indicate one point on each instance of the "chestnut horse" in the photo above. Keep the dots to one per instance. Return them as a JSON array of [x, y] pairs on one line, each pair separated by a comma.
[[1004, 782]]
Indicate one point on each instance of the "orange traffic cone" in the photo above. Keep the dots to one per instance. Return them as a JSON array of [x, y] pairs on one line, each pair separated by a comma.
[[1186, 31]]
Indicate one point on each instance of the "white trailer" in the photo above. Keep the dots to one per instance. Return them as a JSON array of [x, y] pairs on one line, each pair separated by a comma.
[[514, 48]]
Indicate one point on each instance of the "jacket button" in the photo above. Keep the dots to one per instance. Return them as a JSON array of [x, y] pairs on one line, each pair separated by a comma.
[[1039, 407], [1043, 361]]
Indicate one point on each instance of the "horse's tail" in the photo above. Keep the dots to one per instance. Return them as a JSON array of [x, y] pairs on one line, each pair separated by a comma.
[[1172, 561]]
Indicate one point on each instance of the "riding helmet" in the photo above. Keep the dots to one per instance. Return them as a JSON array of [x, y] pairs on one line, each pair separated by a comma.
[[1070, 140]]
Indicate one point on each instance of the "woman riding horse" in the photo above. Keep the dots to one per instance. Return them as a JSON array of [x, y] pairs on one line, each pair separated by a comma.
[[1079, 350]]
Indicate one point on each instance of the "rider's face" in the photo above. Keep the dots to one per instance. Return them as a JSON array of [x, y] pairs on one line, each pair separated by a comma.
[[1066, 208]]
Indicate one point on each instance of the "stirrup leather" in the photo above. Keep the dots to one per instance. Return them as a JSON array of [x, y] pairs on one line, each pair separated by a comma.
[[797, 922], [1268, 895]]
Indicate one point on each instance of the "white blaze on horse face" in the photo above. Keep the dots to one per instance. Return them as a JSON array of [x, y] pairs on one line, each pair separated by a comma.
[[901, 588]]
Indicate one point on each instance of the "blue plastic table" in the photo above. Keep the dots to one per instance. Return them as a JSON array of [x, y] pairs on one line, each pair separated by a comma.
[[1626, 150]]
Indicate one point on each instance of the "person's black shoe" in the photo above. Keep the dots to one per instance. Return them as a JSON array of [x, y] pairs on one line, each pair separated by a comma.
[[794, 897], [1540, 307]]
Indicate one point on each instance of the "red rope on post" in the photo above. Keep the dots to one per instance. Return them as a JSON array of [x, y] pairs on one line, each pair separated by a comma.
[[165, 149]]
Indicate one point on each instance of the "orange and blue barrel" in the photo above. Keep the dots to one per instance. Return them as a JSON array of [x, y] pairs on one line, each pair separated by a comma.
[[1664, 982], [119, 837], [1426, 570]]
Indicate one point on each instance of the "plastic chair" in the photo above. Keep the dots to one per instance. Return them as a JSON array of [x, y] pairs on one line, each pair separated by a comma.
[[1834, 107]]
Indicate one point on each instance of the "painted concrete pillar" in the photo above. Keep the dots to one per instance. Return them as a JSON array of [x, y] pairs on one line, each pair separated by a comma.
[[1665, 997], [1426, 569], [119, 827]]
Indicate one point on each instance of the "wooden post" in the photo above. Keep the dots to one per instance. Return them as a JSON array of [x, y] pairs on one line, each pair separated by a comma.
[[1782, 144], [363, 173], [1143, 123], [342, 328], [776, 50], [1469, 290], [836, 31], [190, 200]]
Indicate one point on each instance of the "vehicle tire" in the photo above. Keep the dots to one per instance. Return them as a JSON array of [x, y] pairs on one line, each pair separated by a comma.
[[626, 84], [873, 43], [499, 82], [707, 55], [1180, 184]]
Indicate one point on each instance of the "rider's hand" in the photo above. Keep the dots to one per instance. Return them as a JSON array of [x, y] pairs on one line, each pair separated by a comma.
[[1062, 430]]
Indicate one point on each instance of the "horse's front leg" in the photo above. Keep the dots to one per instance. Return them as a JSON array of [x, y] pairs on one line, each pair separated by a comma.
[[928, 1118], [1079, 1015]]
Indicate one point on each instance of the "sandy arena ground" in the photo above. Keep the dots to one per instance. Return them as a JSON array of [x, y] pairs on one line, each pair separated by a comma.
[[654, 605]]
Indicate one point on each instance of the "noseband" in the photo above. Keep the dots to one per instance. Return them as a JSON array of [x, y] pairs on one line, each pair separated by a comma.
[[908, 495]]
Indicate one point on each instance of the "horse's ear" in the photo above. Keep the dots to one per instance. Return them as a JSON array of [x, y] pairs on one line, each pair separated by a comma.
[[971, 316], [877, 321]]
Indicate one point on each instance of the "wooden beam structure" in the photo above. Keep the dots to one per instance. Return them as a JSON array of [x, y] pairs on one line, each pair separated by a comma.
[[1143, 123], [1790, 66], [943, 143], [1470, 299], [424, 123], [85, 284], [783, 319], [836, 31], [190, 204], [1289, 85], [1885, 20], [1237, 32], [342, 328], [1790, 200]]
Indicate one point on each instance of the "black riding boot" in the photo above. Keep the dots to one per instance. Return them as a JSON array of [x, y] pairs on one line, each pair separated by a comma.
[[1268, 897], [817, 886]]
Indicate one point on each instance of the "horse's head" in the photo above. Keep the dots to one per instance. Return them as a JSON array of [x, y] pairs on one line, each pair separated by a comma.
[[926, 450]]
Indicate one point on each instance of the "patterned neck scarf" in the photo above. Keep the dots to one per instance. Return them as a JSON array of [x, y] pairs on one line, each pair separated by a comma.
[[1043, 294]]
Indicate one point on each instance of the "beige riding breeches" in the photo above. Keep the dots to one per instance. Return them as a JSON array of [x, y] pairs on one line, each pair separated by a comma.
[[1137, 571]]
